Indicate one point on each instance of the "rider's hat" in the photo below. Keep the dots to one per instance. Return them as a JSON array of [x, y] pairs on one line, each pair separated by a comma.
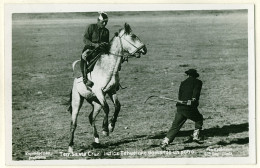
[[103, 16]]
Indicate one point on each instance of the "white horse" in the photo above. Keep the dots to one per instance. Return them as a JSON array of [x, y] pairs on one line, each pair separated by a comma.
[[106, 80]]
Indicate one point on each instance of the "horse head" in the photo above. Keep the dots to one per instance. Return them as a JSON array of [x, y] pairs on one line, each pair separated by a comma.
[[131, 43]]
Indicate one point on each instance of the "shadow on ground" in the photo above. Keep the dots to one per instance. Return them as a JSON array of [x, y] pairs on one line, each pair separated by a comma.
[[223, 131], [239, 141]]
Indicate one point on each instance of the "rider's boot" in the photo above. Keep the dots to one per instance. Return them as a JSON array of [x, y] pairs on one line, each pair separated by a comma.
[[87, 82], [84, 70]]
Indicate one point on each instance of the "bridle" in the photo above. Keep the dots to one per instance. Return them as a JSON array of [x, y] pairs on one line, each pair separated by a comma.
[[124, 55]]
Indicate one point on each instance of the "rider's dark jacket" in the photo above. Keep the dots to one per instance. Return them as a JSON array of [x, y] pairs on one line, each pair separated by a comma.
[[94, 34]]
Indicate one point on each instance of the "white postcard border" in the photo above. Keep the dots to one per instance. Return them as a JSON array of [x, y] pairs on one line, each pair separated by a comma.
[[36, 8]]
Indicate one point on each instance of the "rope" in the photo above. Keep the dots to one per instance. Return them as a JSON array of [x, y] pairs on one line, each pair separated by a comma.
[[162, 97]]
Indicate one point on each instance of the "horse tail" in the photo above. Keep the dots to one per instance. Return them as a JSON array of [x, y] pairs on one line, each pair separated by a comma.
[[74, 63], [70, 100]]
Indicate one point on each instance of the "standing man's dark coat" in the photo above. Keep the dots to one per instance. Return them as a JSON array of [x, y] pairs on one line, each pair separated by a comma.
[[190, 90], [189, 95]]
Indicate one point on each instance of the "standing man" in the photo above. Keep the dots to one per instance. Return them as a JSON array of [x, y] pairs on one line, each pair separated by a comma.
[[96, 39], [187, 108]]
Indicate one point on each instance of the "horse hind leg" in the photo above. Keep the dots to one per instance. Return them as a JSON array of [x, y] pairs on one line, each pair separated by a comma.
[[105, 120], [76, 103], [117, 105], [69, 102]]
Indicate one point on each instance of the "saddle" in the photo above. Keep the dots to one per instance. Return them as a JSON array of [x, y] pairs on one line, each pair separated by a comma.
[[91, 56]]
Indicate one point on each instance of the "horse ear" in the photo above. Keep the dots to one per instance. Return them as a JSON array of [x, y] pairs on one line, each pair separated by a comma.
[[127, 28]]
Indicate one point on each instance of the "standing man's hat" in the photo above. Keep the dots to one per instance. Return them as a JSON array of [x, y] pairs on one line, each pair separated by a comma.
[[192, 72], [103, 16]]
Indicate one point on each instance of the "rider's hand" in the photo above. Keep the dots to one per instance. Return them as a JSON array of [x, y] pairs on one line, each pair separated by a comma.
[[103, 44], [96, 45]]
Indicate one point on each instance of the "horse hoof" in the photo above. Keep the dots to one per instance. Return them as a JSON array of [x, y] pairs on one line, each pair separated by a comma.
[[96, 145], [111, 128], [70, 150], [96, 140], [105, 133]]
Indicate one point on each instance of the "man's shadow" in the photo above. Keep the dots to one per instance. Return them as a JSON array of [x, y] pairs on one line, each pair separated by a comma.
[[215, 131]]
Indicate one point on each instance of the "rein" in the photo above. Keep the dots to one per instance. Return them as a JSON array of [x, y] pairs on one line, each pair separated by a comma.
[[126, 56]]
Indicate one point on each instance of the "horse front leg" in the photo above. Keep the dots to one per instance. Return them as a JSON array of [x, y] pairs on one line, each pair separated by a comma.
[[105, 120], [117, 105], [101, 97], [92, 117], [76, 103]]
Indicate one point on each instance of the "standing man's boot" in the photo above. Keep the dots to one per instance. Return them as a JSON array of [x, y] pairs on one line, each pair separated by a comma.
[[196, 136], [164, 143]]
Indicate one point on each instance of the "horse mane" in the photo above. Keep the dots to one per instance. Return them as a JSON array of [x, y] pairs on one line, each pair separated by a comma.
[[127, 31], [110, 42]]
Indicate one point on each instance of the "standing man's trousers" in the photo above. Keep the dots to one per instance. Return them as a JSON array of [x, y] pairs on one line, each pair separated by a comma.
[[184, 113]]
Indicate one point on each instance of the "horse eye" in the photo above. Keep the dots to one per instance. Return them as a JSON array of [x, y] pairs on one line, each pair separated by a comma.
[[133, 36]]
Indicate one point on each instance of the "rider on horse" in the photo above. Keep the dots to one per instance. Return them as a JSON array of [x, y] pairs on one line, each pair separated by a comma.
[[96, 39]]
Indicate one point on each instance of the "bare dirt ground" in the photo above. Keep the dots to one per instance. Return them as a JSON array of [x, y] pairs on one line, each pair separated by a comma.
[[216, 44]]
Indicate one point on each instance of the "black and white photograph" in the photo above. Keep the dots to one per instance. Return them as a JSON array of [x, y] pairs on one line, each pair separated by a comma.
[[91, 84]]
